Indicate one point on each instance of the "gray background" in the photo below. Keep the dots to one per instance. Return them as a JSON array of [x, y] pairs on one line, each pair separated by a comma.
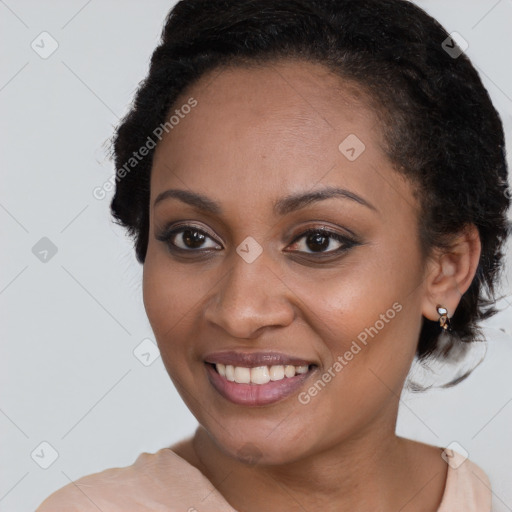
[[71, 323]]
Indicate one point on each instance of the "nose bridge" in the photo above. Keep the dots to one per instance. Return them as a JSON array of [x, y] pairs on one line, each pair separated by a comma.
[[249, 297]]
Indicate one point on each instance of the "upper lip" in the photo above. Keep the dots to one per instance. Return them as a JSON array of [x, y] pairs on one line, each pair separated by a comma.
[[253, 359]]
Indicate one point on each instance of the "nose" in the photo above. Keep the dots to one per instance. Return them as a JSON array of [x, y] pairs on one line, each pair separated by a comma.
[[249, 298]]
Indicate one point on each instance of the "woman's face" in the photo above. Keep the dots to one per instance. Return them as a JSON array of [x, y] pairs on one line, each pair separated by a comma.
[[294, 244]]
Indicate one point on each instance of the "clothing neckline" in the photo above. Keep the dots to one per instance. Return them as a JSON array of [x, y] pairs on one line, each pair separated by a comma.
[[464, 481]]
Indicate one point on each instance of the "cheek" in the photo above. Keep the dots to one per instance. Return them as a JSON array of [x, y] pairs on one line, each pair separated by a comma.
[[368, 333], [370, 314], [170, 296]]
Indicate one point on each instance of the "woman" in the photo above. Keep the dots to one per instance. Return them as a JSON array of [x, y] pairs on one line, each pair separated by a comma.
[[317, 190]]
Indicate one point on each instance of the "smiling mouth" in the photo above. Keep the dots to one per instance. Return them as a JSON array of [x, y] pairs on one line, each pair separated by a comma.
[[258, 385], [259, 375]]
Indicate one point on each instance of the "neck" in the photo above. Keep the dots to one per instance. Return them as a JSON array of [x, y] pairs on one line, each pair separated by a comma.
[[379, 472]]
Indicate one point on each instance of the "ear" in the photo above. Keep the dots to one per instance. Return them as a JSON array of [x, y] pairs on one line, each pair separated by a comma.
[[450, 272]]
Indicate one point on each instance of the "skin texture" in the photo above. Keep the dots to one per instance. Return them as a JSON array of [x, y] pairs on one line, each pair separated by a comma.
[[256, 135]]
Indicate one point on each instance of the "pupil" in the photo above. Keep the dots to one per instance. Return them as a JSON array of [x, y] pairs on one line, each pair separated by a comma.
[[193, 238], [319, 242]]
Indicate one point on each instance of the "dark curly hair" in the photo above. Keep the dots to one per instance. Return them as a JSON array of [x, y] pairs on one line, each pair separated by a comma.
[[441, 128]]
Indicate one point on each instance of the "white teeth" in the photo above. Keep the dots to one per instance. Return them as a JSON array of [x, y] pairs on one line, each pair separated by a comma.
[[289, 370], [259, 374], [276, 372], [230, 373], [221, 368], [242, 375]]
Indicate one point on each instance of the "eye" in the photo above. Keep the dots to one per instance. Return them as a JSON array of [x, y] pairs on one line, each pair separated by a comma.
[[321, 241], [188, 238]]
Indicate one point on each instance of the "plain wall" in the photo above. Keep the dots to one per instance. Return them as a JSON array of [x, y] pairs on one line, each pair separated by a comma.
[[71, 323]]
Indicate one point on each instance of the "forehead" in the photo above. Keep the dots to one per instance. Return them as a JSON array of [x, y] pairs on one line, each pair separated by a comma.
[[286, 124]]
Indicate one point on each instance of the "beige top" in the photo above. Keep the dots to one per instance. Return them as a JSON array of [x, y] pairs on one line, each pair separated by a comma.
[[165, 482]]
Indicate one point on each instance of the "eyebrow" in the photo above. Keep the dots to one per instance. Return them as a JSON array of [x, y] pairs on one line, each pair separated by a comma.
[[282, 206]]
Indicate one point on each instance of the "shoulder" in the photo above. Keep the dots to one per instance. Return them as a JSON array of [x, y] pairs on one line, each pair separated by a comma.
[[467, 486], [155, 481], [97, 491], [89, 493]]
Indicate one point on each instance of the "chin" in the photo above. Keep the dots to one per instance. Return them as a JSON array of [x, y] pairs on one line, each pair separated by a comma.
[[252, 448]]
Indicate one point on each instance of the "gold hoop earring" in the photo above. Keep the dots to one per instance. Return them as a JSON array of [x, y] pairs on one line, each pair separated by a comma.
[[444, 321]]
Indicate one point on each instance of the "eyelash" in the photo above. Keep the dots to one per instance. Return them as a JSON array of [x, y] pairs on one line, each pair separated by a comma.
[[347, 243]]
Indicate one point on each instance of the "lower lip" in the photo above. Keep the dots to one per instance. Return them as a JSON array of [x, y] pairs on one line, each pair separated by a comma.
[[256, 394]]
